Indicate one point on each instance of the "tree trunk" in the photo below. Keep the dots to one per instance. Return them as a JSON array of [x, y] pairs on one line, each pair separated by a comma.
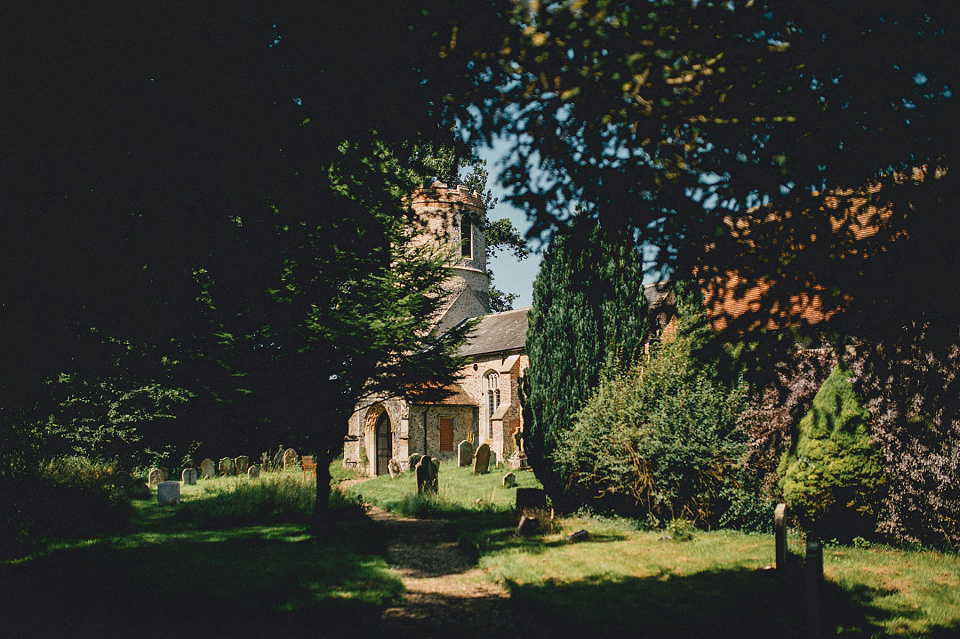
[[322, 521]]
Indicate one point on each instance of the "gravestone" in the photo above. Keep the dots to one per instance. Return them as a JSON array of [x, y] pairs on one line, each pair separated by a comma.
[[168, 492], [394, 467], [509, 480], [121, 479], [529, 525], [531, 499], [481, 461], [464, 454], [189, 476], [226, 467], [154, 477], [138, 489], [813, 565], [289, 457], [780, 529], [207, 468], [253, 472], [427, 475], [189, 463], [165, 471], [493, 459], [265, 460], [241, 463], [414, 460]]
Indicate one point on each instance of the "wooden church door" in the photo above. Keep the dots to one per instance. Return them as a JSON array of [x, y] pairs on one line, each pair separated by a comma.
[[384, 444]]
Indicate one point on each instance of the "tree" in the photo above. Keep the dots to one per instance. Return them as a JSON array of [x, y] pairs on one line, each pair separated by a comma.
[[589, 312], [254, 159]]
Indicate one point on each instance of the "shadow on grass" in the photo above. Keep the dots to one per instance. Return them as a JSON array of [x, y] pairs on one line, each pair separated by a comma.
[[261, 581], [742, 603]]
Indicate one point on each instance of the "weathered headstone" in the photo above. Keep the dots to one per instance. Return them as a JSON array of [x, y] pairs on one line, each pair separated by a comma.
[[121, 479], [531, 499], [168, 492], [780, 530], [138, 489], [493, 459], [226, 467], [154, 477], [414, 460], [241, 463], [289, 457], [529, 525], [464, 454], [394, 467], [207, 468], [265, 460], [481, 461], [428, 474], [165, 471], [253, 472], [509, 480], [189, 476], [189, 463]]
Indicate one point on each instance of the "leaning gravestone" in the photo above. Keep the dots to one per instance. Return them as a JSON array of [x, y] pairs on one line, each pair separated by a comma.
[[242, 463], [189, 476], [207, 468], [481, 461], [154, 477], [289, 457], [253, 472], [531, 499], [227, 467], [509, 480], [168, 492], [414, 460], [394, 467], [464, 454]]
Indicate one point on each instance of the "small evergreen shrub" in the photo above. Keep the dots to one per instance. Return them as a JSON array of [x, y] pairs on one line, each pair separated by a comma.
[[832, 475]]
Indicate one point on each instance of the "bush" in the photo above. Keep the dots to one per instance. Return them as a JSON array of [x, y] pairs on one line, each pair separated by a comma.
[[68, 497], [659, 439], [832, 475]]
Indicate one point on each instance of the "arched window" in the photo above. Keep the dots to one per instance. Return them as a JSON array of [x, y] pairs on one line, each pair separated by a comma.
[[466, 237], [492, 392]]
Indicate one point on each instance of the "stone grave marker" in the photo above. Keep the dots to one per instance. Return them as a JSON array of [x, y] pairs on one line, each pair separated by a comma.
[[414, 460], [493, 459], [168, 492], [253, 472], [189, 476], [780, 530], [242, 463], [138, 489], [509, 480], [427, 475], [226, 467], [121, 479], [289, 457], [165, 471], [464, 454], [154, 477], [481, 461], [207, 468], [394, 467], [813, 565], [531, 499]]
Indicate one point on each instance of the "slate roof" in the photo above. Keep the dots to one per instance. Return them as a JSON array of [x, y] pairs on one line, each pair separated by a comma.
[[497, 332]]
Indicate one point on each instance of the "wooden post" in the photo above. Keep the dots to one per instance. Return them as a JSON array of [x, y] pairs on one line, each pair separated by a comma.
[[780, 530], [813, 566]]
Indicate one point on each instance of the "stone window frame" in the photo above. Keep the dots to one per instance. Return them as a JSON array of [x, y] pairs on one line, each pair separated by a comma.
[[491, 398], [466, 237]]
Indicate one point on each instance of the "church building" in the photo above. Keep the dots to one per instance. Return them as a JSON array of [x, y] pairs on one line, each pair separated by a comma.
[[484, 402]]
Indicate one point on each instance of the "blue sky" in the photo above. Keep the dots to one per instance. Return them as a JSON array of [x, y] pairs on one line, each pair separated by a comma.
[[509, 274]]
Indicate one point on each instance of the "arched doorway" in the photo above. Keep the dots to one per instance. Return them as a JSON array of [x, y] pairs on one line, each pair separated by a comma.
[[384, 439]]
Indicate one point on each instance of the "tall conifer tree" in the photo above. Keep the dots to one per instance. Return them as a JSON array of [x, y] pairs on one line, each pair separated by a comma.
[[589, 312]]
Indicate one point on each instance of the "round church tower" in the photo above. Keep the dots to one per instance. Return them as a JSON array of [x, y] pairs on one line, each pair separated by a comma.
[[455, 216]]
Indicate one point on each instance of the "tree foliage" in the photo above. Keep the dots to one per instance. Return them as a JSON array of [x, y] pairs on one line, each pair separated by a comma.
[[589, 312], [832, 475]]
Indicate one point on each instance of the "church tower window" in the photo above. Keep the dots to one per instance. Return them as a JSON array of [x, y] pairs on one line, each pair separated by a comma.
[[466, 237]]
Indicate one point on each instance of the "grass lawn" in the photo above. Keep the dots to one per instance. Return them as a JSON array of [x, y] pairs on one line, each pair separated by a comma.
[[625, 579], [168, 576]]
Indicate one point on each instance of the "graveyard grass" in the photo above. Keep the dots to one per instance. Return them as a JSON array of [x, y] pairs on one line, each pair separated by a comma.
[[195, 571], [717, 585]]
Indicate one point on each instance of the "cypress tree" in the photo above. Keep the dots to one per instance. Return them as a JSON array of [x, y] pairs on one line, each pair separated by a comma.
[[589, 312]]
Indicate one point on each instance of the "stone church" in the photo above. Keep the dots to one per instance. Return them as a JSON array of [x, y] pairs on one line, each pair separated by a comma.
[[484, 403]]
